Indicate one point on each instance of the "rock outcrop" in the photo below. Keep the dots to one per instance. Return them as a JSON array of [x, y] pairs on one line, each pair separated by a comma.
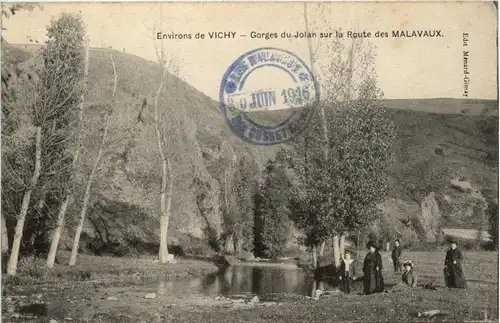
[[430, 217]]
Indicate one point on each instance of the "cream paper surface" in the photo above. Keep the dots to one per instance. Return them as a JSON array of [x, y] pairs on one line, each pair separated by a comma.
[[407, 67]]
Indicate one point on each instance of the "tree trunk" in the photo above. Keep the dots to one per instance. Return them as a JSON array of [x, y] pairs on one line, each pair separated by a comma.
[[86, 197], [313, 291], [314, 258], [56, 235], [342, 246], [238, 246], [321, 254], [322, 249], [5, 238], [14, 255], [336, 251], [229, 244], [166, 179]]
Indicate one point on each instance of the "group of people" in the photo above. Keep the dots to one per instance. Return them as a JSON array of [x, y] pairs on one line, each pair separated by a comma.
[[373, 281]]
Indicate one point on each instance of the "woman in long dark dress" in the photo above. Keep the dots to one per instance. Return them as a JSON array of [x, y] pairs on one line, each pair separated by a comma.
[[453, 273], [373, 282]]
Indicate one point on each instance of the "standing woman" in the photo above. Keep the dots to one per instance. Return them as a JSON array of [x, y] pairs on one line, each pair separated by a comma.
[[373, 281], [454, 275]]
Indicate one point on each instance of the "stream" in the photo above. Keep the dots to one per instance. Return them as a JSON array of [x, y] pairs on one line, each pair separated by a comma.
[[245, 280]]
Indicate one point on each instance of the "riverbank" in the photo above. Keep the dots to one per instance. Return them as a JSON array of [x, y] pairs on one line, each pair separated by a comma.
[[118, 294], [108, 270]]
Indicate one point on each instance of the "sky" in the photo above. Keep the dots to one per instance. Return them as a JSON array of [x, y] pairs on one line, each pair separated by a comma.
[[406, 67]]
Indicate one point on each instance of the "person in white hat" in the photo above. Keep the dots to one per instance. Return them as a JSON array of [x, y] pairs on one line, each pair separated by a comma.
[[408, 279]]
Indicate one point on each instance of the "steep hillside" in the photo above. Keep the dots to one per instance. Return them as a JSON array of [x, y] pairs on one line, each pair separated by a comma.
[[430, 150]]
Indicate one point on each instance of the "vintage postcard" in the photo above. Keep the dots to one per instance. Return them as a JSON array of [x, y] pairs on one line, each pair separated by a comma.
[[249, 161]]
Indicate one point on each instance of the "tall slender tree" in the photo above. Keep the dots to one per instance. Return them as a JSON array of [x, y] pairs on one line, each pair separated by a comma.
[[50, 101], [340, 162], [109, 109], [56, 234], [167, 67], [272, 214]]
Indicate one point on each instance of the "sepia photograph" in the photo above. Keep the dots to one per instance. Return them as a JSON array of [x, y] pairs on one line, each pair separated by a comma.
[[249, 162]]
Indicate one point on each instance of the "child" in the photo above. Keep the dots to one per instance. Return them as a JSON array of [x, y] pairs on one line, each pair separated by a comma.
[[396, 256], [347, 272]]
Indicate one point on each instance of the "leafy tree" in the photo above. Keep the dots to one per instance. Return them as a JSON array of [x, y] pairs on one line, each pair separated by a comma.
[[340, 163], [271, 227], [48, 103], [241, 218], [64, 56]]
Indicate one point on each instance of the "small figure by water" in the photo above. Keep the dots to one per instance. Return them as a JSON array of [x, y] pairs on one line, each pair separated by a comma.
[[373, 281], [347, 272], [396, 256], [453, 273], [409, 278]]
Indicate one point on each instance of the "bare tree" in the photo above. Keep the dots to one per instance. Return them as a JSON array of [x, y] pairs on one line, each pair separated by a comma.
[[97, 161], [167, 66]]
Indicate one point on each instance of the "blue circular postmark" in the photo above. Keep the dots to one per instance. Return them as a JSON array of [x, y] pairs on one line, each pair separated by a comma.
[[268, 96]]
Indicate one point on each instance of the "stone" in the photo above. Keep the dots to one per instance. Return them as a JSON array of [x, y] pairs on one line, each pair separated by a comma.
[[430, 217], [235, 301], [170, 257], [240, 296], [52, 321], [111, 298], [255, 299], [461, 186], [150, 296], [246, 255], [269, 303]]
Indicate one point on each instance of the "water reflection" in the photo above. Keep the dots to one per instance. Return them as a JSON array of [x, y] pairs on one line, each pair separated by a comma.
[[247, 280]]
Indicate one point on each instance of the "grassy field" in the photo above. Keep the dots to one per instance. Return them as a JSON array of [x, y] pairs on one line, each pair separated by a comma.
[[84, 298]]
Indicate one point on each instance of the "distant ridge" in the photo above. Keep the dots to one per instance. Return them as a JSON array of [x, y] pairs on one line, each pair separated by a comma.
[[462, 106], [446, 106]]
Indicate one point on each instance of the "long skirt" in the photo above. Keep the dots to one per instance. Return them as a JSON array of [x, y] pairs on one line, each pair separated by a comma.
[[373, 283], [454, 277]]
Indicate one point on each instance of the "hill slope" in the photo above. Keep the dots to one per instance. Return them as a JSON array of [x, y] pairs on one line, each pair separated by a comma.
[[430, 150]]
